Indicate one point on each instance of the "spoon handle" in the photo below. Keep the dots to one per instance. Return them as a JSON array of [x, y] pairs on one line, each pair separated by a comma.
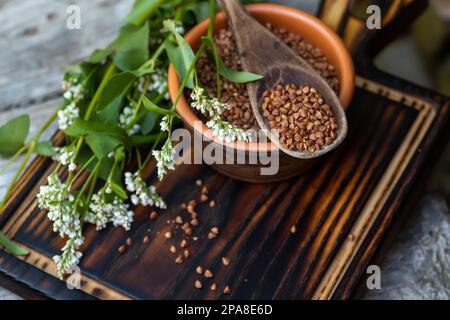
[[234, 10]]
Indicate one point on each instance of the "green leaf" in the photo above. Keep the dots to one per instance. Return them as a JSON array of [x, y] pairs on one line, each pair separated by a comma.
[[224, 71], [140, 9], [86, 154], [13, 135], [130, 49], [181, 57], [151, 106], [148, 122], [99, 55], [143, 140], [102, 145], [92, 127], [119, 154], [118, 190], [45, 148], [115, 90], [200, 10], [11, 246]]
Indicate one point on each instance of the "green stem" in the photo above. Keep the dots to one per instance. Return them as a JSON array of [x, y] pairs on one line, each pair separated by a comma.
[[18, 173], [150, 153], [212, 17], [78, 174], [155, 56], [141, 99], [86, 183], [138, 157], [90, 192], [13, 158], [186, 78], [31, 147], [109, 72], [46, 125]]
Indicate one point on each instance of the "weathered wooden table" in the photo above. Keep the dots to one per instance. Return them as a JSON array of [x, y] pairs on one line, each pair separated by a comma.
[[343, 208]]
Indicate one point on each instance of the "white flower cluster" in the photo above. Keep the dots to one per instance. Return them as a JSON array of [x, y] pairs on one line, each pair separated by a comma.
[[55, 197], [70, 256], [157, 83], [225, 131], [66, 157], [142, 194], [105, 208], [164, 159], [67, 116], [175, 26], [73, 92], [125, 119], [213, 108], [206, 105], [165, 123]]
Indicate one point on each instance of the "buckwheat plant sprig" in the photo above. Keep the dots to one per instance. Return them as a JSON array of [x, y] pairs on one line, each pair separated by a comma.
[[213, 108], [114, 103], [73, 93]]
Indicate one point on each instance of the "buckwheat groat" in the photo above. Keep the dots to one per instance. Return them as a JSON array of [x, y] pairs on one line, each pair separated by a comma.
[[301, 117]]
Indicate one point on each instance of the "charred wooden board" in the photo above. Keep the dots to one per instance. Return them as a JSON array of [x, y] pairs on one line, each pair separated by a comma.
[[357, 191], [354, 191]]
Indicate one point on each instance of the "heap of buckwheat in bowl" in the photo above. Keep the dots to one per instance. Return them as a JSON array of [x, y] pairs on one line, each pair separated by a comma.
[[300, 116], [303, 120]]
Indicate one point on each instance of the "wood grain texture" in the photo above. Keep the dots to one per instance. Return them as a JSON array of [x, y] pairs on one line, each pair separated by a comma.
[[37, 46], [358, 189], [334, 199]]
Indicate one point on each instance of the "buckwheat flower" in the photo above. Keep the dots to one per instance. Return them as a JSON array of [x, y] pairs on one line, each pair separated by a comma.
[[121, 215], [158, 81], [164, 159], [142, 194], [67, 116], [51, 193], [66, 157], [226, 131], [104, 209], [55, 197], [201, 102], [126, 118], [219, 107], [100, 212], [70, 256], [164, 124], [73, 90]]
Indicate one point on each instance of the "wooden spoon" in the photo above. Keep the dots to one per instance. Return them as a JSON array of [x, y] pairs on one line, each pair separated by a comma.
[[261, 52]]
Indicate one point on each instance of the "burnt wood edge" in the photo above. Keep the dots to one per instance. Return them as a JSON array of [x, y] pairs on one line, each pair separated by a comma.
[[346, 260], [422, 162], [67, 290], [23, 279], [30, 176], [412, 199], [20, 289]]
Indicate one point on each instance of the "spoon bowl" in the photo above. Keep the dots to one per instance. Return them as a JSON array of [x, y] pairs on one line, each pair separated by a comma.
[[261, 52]]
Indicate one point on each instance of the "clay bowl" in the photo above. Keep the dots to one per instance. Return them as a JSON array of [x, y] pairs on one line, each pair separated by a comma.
[[313, 31]]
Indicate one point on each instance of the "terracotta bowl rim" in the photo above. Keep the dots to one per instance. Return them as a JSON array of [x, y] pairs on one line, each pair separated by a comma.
[[347, 79]]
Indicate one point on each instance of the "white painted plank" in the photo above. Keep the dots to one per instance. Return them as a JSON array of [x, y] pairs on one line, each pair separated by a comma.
[[35, 49], [32, 64]]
